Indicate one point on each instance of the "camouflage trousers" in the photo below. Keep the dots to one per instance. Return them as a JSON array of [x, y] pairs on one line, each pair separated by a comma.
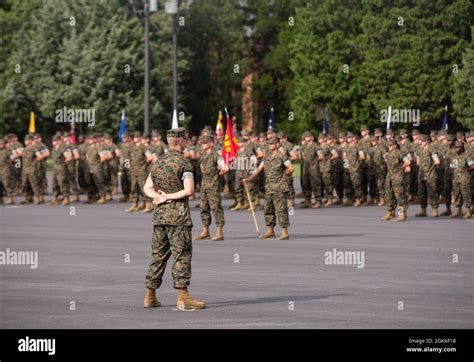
[[60, 182], [395, 193], [98, 180], [113, 173], [170, 240], [462, 192], [428, 189], [71, 177], [337, 174], [327, 184], [136, 187], [5, 180], [276, 206], [211, 201], [31, 182], [356, 177], [312, 184], [125, 182], [378, 176], [239, 191], [291, 187], [447, 187], [347, 184]]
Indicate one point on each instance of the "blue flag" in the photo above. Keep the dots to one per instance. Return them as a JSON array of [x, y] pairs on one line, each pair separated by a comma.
[[444, 120], [271, 120], [123, 127], [325, 122]]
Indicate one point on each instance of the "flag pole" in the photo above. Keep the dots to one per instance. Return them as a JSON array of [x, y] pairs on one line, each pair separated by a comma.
[[251, 209]]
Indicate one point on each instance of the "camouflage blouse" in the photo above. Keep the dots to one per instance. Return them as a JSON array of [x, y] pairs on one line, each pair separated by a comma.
[[168, 174]]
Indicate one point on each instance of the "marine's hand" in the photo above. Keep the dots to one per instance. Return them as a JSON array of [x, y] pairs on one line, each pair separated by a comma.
[[160, 199]]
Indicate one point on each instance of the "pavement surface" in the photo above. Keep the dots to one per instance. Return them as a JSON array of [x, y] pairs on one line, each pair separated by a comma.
[[92, 260]]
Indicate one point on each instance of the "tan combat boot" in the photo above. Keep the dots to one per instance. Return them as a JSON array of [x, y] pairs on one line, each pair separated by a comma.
[[305, 204], [114, 190], [124, 198], [25, 201], [457, 213], [245, 205], [237, 207], [108, 197], [150, 299], [381, 202], [422, 213], [132, 208], [65, 201], [402, 217], [434, 213], [330, 202], [10, 201], [291, 203], [447, 212], [75, 198], [42, 199], [219, 234], [468, 214], [53, 202], [148, 208], [348, 202], [337, 202], [270, 233], [370, 202], [316, 205], [185, 302], [142, 206], [388, 216], [357, 203], [204, 234], [284, 234], [102, 200], [37, 200]]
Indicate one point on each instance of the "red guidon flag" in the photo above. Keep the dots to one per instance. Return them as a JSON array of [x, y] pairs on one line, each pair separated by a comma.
[[229, 151]]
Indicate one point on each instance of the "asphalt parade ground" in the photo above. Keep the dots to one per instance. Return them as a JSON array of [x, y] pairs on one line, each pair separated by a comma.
[[92, 261]]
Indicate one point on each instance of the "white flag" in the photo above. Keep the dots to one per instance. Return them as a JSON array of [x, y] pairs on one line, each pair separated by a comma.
[[175, 120], [389, 118]]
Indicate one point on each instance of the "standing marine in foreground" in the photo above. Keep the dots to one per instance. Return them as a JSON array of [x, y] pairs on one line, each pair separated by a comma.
[[170, 184]]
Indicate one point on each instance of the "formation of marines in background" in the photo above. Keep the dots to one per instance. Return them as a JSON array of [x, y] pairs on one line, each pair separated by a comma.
[[348, 170]]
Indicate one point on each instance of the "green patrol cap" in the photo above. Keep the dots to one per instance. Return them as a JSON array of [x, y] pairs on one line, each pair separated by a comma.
[[137, 134], [415, 132], [392, 142], [350, 134], [281, 134], [377, 130], [459, 134], [390, 132], [273, 140], [451, 138], [56, 137], [342, 134], [423, 137], [433, 133], [459, 144], [28, 137], [176, 132], [307, 134], [155, 133], [364, 127], [442, 132], [403, 132]]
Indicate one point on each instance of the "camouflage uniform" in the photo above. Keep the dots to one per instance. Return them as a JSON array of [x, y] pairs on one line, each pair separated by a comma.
[[287, 148], [244, 156], [138, 171], [460, 164], [71, 169], [172, 222], [395, 194], [125, 176], [30, 175], [276, 189], [5, 170], [60, 182], [311, 175], [83, 174], [211, 199], [325, 166], [378, 169], [427, 179], [351, 154], [96, 169]]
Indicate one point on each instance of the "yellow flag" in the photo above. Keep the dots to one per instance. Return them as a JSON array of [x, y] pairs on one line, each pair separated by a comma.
[[219, 126], [32, 128]]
